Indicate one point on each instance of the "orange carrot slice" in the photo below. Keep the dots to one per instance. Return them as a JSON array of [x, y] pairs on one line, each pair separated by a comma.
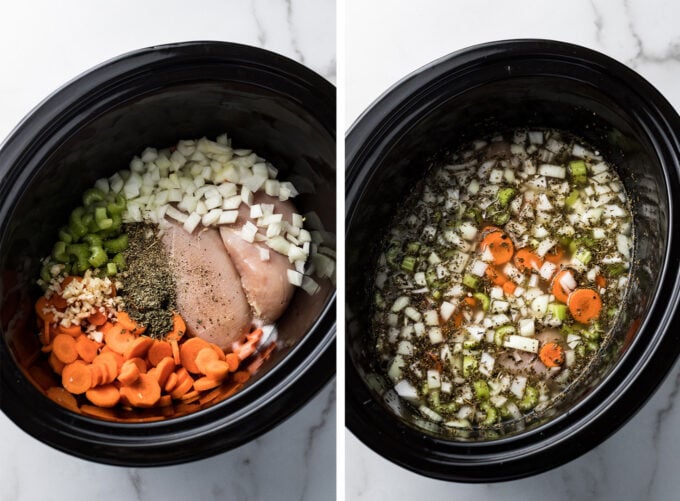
[[73, 331], [164, 369], [558, 290], [217, 370], [551, 354], [206, 383], [140, 363], [601, 281], [555, 255], [144, 392], [178, 328], [241, 376], [76, 377], [64, 348], [104, 396], [509, 287], [232, 361], [495, 276], [110, 366], [183, 386], [158, 351], [175, 351], [56, 364], [171, 382], [499, 244], [118, 339], [97, 318], [86, 348], [138, 348], [204, 357], [525, 259], [584, 305], [189, 351], [129, 373]]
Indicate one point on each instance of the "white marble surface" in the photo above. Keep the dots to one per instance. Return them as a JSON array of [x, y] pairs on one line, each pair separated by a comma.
[[44, 44], [387, 39]]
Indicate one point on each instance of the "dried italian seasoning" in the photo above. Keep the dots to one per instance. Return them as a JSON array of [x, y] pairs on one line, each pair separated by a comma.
[[150, 291]]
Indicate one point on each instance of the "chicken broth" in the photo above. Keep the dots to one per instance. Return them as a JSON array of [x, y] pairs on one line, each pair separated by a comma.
[[501, 277]]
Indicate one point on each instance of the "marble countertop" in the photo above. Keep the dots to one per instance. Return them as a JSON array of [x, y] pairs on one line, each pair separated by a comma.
[[43, 45], [641, 460]]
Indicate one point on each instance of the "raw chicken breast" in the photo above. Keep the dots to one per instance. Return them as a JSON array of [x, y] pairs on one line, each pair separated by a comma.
[[264, 282], [209, 293]]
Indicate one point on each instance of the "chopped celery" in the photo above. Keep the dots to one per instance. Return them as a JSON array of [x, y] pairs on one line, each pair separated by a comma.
[[501, 332], [65, 235], [578, 171], [412, 248], [59, 252], [116, 245], [558, 311], [408, 263], [433, 398], [593, 332], [501, 218], [97, 257], [92, 239], [593, 345], [481, 389], [572, 198], [111, 269], [470, 344], [392, 256], [469, 365], [436, 295], [76, 225], [583, 255], [483, 300], [117, 206], [506, 195], [119, 261], [491, 414], [470, 281], [431, 276], [530, 399], [616, 270], [91, 196]]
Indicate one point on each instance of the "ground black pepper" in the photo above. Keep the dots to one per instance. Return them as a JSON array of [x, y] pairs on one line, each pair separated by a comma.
[[149, 288]]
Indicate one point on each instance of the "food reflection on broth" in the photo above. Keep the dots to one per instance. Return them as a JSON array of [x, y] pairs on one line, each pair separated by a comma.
[[501, 277]]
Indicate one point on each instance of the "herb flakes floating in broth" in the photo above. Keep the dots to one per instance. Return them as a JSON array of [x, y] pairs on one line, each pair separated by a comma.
[[501, 278]]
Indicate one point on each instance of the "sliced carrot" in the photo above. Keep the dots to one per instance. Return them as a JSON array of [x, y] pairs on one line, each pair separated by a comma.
[[457, 319], [58, 302], [97, 318], [526, 259], [125, 321], [190, 396], [87, 349], [500, 245], [175, 351], [164, 401], [139, 347], [118, 338], [509, 287], [497, 277], [254, 366], [163, 370], [584, 305], [232, 361], [62, 397], [171, 382], [551, 354], [183, 386], [47, 348], [558, 290], [555, 255], [76, 377], [73, 331], [204, 357], [98, 374], [106, 327], [56, 364], [241, 376], [140, 363], [179, 327], [206, 383], [40, 306], [129, 373], [64, 348], [144, 392], [245, 351], [600, 281], [110, 366], [470, 301], [217, 370], [158, 351], [189, 351], [255, 336], [218, 351], [106, 395]]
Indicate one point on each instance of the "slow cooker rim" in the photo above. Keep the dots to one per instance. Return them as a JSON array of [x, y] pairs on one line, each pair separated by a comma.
[[314, 349], [360, 134]]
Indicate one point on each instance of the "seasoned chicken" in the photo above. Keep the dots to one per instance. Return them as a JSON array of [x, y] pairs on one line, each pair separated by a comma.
[[210, 297]]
